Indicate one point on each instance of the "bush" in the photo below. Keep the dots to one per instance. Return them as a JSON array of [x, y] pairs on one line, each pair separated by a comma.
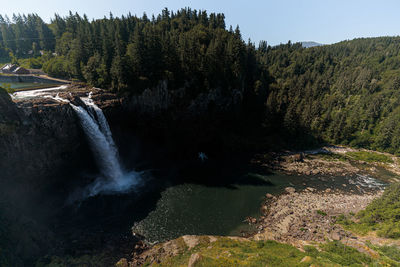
[[344, 255], [320, 212], [56, 67], [383, 214], [7, 88]]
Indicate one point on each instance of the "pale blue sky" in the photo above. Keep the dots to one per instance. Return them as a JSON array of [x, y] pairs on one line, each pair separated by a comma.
[[324, 21]]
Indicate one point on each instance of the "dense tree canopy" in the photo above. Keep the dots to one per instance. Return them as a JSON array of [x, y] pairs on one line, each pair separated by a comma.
[[343, 93], [24, 35], [131, 53]]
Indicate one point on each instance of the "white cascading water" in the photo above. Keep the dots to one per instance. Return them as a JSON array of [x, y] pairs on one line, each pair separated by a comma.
[[104, 127], [114, 179], [36, 93]]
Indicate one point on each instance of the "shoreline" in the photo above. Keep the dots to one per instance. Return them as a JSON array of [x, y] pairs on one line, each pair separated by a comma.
[[331, 161], [308, 216]]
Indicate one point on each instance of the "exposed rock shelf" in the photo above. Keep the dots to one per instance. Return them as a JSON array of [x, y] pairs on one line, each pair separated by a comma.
[[39, 138], [309, 215]]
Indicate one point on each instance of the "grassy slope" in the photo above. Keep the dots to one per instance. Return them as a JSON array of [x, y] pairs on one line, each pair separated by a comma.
[[382, 215], [228, 252], [369, 156], [365, 156]]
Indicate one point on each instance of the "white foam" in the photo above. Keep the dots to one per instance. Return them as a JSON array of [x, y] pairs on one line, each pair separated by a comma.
[[36, 93], [113, 179], [367, 182]]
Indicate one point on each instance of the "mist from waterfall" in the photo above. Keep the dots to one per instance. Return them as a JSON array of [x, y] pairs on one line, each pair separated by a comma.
[[113, 178]]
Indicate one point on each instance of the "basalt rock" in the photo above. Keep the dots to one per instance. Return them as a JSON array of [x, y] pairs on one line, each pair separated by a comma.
[[175, 120], [41, 145], [39, 138]]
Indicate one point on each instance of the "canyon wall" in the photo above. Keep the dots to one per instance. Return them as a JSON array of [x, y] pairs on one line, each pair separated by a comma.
[[175, 120], [40, 138]]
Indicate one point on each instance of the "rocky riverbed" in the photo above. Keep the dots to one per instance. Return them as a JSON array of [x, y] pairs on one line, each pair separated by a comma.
[[330, 161], [309, 215]]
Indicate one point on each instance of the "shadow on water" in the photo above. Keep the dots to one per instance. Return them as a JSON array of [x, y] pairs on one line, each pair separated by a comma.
[[106, 220], [175, 199]]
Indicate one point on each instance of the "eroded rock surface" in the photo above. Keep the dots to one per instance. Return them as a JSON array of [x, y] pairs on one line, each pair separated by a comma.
[[310, 215]]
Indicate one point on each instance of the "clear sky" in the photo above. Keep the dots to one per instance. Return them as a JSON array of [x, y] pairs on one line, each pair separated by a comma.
[[276, 21]]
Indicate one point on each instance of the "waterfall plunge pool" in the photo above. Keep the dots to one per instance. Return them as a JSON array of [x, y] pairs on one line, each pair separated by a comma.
[[195, 209], [164, 207]]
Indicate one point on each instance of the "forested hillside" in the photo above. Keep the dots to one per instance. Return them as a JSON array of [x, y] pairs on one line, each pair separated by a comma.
[[131, 53], [344, 93], [24, 36]]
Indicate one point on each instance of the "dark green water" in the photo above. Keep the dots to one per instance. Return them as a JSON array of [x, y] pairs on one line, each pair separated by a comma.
[[19, 86], [197, 209]]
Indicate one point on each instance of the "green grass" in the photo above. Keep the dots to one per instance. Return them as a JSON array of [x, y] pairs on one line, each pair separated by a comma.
[[228, 252], [382, 216], [390, 254], [322, 213], [332, 157], [369, 156], [337, 252], [350, 225], [7, 88]]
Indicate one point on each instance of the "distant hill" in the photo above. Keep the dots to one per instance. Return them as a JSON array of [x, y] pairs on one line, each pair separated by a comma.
[[310, 44]]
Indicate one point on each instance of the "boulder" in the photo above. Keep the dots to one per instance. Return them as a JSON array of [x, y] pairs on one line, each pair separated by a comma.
[[336, 235], [298, 157], [122, 263], [290, 190]]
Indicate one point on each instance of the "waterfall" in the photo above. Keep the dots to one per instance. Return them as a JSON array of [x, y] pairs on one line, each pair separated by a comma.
[[104, 127], [113, 178]]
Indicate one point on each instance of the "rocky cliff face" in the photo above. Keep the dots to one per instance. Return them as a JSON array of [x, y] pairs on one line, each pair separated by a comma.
[[179, 104], [39, 139], [42, 149], [175, 119], [42, 144], [42, 138]]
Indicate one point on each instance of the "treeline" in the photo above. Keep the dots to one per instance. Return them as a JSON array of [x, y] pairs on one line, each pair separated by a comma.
[[24, 36], [129, 53], [346, 93]]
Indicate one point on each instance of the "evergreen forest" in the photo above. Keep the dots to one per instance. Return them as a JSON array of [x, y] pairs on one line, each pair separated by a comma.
[[344, 93]]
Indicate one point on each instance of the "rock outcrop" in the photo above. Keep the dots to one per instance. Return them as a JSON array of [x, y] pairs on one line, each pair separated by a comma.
[[42, 144], [39, 138], [42, 148], [176, 121]]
